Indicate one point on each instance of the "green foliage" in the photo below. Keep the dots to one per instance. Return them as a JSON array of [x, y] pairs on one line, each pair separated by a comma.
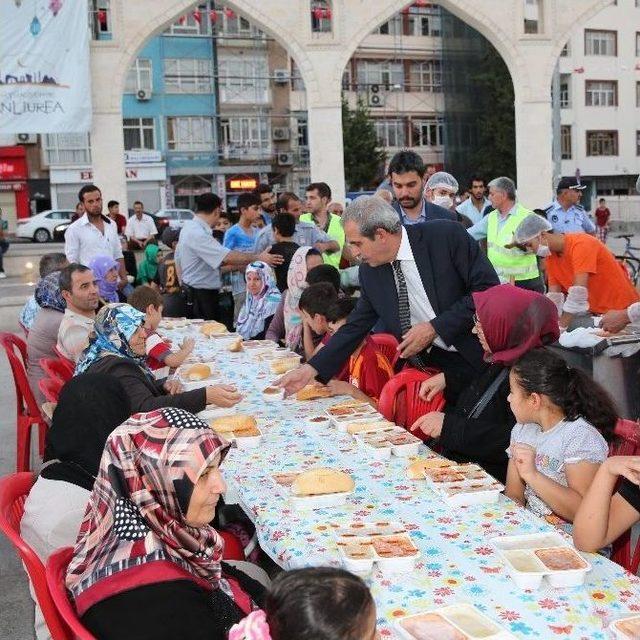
[[363, 160]]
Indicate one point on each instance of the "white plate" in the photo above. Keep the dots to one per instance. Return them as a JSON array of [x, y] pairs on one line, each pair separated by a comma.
[[319, 502]]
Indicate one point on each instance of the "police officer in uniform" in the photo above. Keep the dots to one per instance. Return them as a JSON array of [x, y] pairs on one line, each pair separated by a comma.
[[565, 213]]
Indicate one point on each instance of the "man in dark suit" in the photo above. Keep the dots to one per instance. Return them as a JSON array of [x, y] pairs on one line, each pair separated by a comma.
[[418, 280], [407, 179]]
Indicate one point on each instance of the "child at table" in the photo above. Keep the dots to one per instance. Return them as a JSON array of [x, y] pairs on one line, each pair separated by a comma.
[[601, 518], [320, 603], [557, 444], [368, 369], [159, 355]]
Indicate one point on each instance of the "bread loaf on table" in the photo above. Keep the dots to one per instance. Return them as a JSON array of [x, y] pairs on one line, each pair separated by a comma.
[[322, 481], [235, 422], [236, 346], [213, 328], [282, 365], [198, 372], [313, 392]]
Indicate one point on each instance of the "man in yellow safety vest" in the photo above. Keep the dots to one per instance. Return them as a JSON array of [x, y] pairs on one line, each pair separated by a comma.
[[511, 263]]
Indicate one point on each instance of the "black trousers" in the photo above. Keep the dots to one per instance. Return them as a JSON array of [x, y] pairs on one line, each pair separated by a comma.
[[202, 303]]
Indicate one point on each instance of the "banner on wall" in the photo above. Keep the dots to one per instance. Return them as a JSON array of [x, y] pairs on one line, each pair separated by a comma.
[[45, 80]]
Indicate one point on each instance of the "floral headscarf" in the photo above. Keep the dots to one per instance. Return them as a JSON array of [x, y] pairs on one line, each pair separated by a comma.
[[258, 308], [48, 294], [134, 528], [296, 283], [101, 265], [113, 327]]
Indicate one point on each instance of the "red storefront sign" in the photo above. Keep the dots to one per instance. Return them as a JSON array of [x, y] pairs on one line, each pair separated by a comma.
[[13, 177]]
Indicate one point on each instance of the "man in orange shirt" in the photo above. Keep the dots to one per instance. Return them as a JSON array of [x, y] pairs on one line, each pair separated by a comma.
[[579, 267]]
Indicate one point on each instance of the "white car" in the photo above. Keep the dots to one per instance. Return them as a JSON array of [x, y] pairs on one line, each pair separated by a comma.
[[42, 226], [176, 217]]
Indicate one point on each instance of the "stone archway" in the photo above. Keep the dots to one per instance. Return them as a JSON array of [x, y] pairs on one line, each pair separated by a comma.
[[321, 59]]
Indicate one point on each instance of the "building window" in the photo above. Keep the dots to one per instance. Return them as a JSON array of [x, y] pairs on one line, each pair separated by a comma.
[[193, 133], [99, 19], [392, 27], [235, 25], [566, 50], [601, 93], [602, 143], [637, 94], [297, 83], [533, 16], [303, 133], [188, 75], [138, 133], [387, 73], [600, 43], [426, 76], [424, 21], [67, 148], [638, 143], [390, 133], [194, 23], [246, 137], [427, 132], [139, 77], [565, 91], [321, 16], [637, 44], [565, 142], [243, 80]]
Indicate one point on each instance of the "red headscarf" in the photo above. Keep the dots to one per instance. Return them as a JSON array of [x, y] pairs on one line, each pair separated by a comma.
[[134, 530], [514, 321]]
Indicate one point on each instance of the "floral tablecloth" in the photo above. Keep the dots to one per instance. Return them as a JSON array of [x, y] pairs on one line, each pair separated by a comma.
[[457, 561]]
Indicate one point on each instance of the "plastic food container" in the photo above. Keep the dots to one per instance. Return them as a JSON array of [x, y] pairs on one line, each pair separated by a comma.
[[464, 485], [626, 628], [396, 439], [455, 622], [395, 553], [375, 420], [530, 559], [188, 385], [245, 442], [357, 555], [284, 480], [349, 408]]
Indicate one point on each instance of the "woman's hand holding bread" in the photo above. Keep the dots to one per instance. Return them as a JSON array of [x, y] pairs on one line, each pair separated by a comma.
[[223, 395]]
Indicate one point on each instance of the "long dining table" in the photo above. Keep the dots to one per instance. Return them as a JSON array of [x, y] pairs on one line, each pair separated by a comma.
[[457, 563]]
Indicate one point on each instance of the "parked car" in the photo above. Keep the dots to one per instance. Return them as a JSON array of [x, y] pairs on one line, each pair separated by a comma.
[[42, 226], [176, 217]]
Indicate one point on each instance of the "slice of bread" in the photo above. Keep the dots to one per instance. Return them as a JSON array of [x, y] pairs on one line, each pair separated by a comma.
[[198, 372], [235, 422], [313, 392]]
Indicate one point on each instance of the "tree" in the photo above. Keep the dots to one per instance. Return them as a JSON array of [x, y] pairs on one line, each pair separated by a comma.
[[363, 160]]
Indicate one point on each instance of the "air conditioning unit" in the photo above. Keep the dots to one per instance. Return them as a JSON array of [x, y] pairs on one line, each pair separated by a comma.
[[26, 138], [375, 98], [281, 76], [143, 95], [285, 159], [281, 133]]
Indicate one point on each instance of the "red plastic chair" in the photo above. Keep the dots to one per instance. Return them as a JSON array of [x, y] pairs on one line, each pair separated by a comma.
[[51, 388], [28, 412], [387, 345], [399, 400], [626, 443], [13, 493], [56, 574], [233, 549], [58, 368]]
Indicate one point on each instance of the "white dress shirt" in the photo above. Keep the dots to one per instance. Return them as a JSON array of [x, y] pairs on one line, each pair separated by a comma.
[[140, 229], [84, 241], [419, 304]]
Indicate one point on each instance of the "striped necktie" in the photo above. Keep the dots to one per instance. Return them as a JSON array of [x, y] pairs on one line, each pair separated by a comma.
[[404, 310]]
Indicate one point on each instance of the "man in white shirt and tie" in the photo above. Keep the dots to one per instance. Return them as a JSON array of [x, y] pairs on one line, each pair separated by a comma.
[[140, 229]]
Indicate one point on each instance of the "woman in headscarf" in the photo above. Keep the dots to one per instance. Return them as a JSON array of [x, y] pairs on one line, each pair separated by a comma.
[[147, 563], [105, 271], [509, 323], [287, 321], [43, 335], [262, 300], [89, 408], [117, 347], [148, 268]]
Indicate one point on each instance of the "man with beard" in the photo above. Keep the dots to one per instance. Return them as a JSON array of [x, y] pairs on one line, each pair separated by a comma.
[[94, 234], [267, 202], [407, 178]]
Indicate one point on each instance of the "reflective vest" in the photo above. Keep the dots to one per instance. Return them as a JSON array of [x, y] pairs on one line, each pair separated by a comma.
[[509, 263], [335, 232]]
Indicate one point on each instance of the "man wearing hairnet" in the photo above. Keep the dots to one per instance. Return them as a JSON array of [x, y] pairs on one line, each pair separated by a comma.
[[441, 189], [511, 264], [583, 274]]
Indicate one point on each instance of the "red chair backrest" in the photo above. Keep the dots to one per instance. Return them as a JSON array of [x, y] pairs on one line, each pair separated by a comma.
[[13, 493], [399, 400], [56, 574], [387, 345], [233, 549], [16, 350], [51, 388], [59, 368]]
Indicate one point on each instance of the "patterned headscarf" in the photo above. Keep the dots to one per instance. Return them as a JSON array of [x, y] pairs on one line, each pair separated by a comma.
[[134, 528], [101, 265], [48, 294], [113, 327], [258, 308], [296, 283]]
